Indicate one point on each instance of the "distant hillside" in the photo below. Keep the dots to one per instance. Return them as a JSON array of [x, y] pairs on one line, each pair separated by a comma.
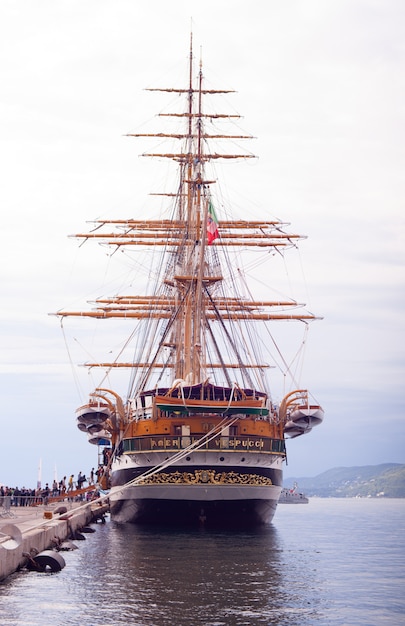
[[387, 480]]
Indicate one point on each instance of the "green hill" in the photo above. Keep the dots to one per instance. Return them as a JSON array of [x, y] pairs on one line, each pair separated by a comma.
[[387, 480]]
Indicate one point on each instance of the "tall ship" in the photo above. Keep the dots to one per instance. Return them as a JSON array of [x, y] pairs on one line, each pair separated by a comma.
[[198, 437]]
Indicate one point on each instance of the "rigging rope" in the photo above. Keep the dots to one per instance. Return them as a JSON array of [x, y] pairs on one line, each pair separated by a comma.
[[72, 365]]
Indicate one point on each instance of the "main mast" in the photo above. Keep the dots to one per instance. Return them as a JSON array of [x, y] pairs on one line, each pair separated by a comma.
[[189, 282], [183, 331], [192, 272]]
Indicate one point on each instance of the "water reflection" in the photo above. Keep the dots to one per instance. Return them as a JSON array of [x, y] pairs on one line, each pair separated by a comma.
[[142, 576]]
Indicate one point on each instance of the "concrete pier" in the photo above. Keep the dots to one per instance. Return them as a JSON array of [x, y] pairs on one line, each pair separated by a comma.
[[30, 530]]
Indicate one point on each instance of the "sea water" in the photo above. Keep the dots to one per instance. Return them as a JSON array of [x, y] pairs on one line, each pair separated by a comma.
[[329, 562]]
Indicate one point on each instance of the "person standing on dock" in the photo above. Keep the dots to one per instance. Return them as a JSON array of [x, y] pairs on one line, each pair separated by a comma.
[[45, 494], [80, 480]]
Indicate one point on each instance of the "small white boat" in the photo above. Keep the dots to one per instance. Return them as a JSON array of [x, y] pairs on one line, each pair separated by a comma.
[[292, 496]]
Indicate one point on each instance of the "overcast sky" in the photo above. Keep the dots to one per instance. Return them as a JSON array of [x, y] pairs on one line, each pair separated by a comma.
[[321, 86]]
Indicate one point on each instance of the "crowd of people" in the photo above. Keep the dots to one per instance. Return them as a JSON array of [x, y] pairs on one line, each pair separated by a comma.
[[27, 497]]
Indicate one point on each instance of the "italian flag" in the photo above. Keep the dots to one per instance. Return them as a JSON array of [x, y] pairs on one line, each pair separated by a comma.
[[212, 224]]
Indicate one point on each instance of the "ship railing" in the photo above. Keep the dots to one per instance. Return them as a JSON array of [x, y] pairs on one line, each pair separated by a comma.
[[251, 443]]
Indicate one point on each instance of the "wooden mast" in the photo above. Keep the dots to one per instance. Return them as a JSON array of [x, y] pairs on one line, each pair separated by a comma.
[[185, 338]]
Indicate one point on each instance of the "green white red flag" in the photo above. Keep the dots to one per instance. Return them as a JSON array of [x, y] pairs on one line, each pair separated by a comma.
[[212, 224]]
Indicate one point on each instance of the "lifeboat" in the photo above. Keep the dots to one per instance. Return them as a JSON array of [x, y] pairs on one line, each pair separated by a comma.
[[298, 415], [93, 413], [81, 425], [101, 438], [292, 430], [307, 416], [95, 428], [302, 419]]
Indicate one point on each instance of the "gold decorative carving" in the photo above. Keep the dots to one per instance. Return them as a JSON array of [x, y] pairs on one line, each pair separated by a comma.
[[206, 476]]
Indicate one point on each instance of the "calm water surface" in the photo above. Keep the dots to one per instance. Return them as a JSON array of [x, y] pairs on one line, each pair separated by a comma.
[[333, 561]]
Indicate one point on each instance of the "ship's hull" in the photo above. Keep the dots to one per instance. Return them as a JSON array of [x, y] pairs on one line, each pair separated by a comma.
[[181, 510], [226, 494]]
